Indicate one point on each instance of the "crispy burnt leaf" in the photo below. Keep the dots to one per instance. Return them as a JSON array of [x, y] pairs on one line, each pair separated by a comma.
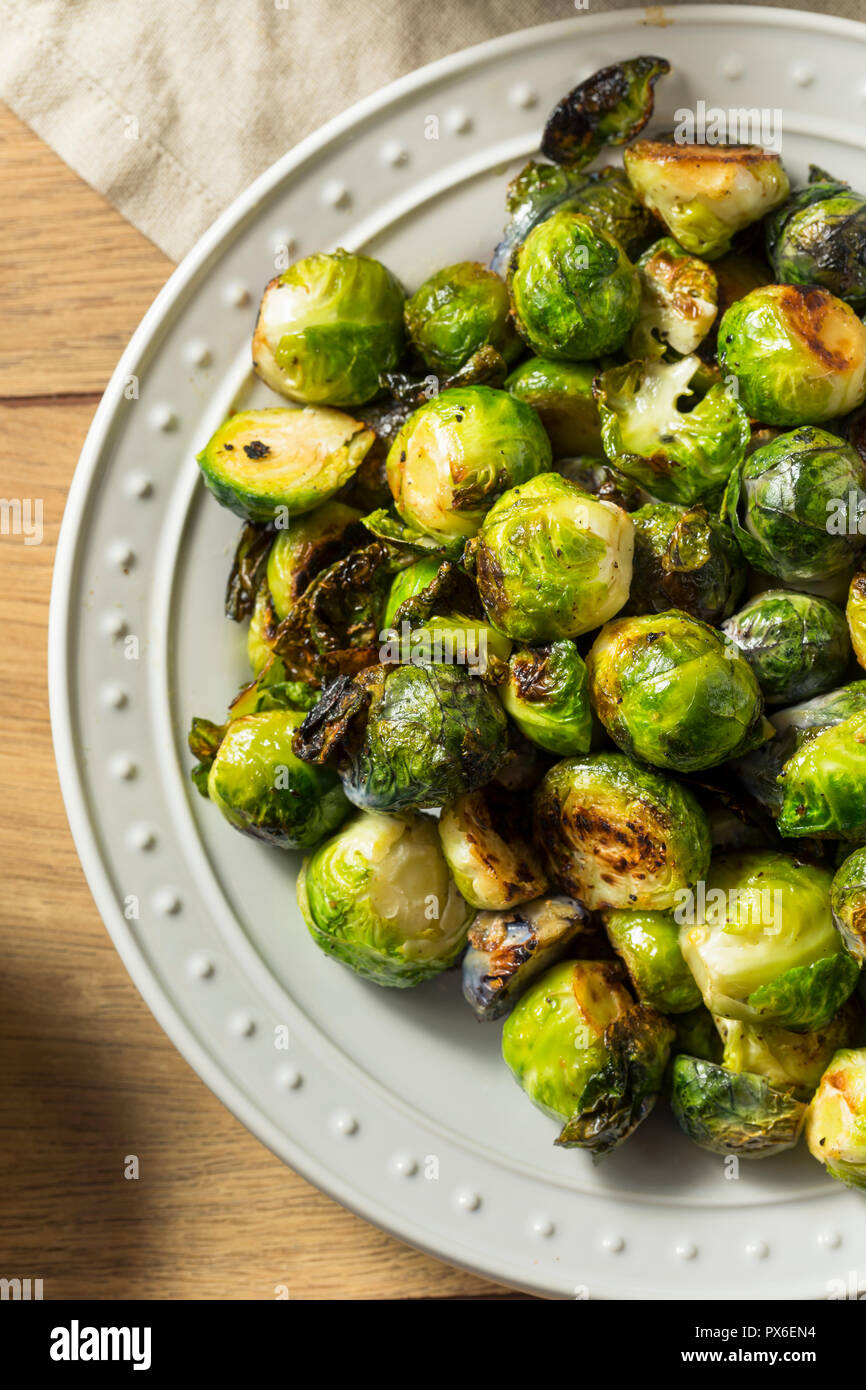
[[387, 526], [610, 108], [334, 628], [248, 569], [623, 1090], [334, 723]]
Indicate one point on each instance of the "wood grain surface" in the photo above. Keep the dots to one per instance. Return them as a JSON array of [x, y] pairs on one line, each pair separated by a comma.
[[87, 1077]]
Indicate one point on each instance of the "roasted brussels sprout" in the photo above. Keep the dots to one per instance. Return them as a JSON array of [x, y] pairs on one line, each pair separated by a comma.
[[796, 644], [677, 455], [493, 864], [818, 237], [547, 697], [379, 898], [306, 547], [823, 783], [790, 1061], [551, 561], [648, 944], [619, 835], [574, 291], [848, 903], [457, 311], [684, 559], [406, 737], [675, 692], [706, 193], [261, 787], [855, 615], [759, 771], [585, 1053], [798, 355], [730, 1112], [269, 465], [328, 327], [606, 198], [508, 950], [458, 453], [679, 297], [790, 503], [836, 1119], [760, 941], [609, 108], [561, 392]]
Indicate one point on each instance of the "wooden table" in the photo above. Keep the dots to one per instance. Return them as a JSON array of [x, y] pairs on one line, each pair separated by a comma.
[[88, 1077]]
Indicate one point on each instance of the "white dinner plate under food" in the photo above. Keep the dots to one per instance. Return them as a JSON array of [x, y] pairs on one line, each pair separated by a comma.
[[396, 1102]]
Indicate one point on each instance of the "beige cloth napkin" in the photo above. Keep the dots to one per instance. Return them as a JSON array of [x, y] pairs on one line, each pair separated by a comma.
[[171, 107]]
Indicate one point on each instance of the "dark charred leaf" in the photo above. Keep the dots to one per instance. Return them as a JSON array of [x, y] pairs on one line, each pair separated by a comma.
[[450, 591], [248, 569], [335, 723], [610, 108], [334, 628]]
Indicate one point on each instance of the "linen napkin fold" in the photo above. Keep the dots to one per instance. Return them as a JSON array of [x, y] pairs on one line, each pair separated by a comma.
[[170, 108]]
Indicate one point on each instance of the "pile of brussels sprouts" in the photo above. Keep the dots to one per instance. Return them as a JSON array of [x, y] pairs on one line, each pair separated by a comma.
[[544, 569]]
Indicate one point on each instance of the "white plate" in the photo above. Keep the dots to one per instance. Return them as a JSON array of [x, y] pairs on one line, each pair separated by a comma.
[[396, 1103]]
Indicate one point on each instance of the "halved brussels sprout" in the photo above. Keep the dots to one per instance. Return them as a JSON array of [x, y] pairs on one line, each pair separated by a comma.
[[492, 863], [379, 898], [798, 355], [619, 835], [675, 692], [455, 455], [261, 631], [790, 1061], [796, 644], [706, 193], [791, 505], [574, 291], [730, 1112], [268, 465], [823, 783], [407, 737], [584, 1052], [760, 941], [648, 944], [328, 327], [818, 237], [261, 787], [684, 559], [508, 950], [848, 903], [551, 561], [679, 297], [457, 311], [306, 547], [836, 1119], [677, 455], [561, 392], [855, 616], [547, 697], [608, 108]]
